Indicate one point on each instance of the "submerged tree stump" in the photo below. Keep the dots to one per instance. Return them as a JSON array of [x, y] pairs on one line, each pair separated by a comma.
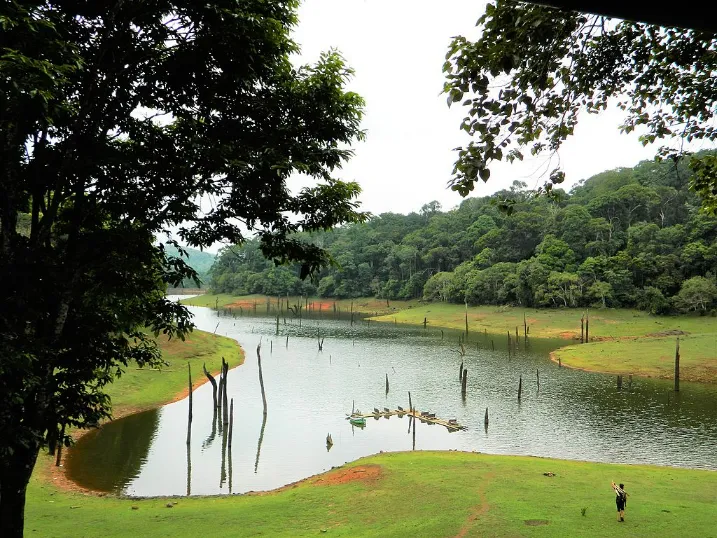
[[677, 365], [213, 382], [520, 387]]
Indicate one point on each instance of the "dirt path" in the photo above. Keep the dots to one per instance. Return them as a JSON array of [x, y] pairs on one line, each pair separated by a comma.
[[478, 510]]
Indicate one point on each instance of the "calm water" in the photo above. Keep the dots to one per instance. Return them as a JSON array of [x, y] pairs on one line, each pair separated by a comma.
[[574, 415]]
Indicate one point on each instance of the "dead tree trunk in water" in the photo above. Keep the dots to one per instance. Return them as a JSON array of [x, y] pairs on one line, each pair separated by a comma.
[[537, 376], [231, 423], [213, 382], [520, 387], [261, 377], [464, 382], [677, 365], [225, 375], [189, 420], [386, 383]]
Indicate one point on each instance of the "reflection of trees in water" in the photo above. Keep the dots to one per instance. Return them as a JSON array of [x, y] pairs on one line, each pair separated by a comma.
[[258, 446], [209, 440], [109, 458]]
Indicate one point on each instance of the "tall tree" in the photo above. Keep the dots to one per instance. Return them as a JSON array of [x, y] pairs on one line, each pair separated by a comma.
[[534, 69], [118, 118]]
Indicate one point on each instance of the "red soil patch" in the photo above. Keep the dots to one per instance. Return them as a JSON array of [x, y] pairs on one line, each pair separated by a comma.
[[362, 473], [245, 304], [569, 335]]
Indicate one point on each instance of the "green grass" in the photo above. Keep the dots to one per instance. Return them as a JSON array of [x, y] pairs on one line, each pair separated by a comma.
[[431, 494], [651, 357], [144, 388], [551, 323]]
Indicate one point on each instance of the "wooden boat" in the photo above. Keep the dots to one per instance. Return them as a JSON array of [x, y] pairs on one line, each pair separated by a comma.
[[357, 421]]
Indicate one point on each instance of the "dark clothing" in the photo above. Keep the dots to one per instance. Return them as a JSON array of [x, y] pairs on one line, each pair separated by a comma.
[[620, 500]]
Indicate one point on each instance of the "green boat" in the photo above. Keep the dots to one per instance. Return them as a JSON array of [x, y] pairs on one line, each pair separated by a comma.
[[357, 421]]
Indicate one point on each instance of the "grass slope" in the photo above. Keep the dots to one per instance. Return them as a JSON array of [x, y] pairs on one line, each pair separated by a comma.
[[143, 388], [431, 494], [651, 357]]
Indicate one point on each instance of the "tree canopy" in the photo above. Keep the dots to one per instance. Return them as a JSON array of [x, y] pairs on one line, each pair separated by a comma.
[[631, 237], [533, 70], [118, 120]]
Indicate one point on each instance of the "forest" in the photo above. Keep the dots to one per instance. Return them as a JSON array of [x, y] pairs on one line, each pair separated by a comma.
[[630, 237]]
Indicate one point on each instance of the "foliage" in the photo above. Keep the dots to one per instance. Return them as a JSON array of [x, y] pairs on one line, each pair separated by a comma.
[[626, 237], [697, 293], [533, 70], [118, 120]]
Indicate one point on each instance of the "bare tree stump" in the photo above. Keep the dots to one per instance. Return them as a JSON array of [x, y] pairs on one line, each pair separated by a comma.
[[520, 387], [213, 382], [677, 365]]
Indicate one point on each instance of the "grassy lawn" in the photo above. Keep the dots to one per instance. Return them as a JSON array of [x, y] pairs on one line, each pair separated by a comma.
[[650, 356], [552, 323], [431, 494], [143, 388]]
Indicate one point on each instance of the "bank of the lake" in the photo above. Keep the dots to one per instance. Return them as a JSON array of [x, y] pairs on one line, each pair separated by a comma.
[[139, 389], [647, 356], [622, 341], [400, 494], [430, 494]]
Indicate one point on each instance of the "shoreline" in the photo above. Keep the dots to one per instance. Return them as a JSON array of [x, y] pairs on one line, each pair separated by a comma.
[[57, 475]]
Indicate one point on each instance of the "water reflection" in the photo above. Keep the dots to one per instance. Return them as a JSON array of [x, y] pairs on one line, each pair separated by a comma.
[[112, 456], [561, 413]]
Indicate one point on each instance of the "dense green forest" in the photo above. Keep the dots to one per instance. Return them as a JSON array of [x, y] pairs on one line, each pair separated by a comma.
[[631, 237]]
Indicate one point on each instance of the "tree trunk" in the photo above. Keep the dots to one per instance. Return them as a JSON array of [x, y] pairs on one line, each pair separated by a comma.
[[14, 476]]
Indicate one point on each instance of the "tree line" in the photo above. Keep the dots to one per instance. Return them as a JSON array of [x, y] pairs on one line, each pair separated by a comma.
[[630, 237]]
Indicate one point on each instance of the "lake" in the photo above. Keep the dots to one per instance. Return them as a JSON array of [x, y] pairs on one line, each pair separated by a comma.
[[574, 415]]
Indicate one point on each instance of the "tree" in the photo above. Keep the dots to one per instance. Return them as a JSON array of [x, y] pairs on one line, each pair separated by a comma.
[[117, 119], [697, 293], [551, 65]]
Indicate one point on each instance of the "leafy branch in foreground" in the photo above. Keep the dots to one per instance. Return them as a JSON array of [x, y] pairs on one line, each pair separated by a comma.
[[534, 69]]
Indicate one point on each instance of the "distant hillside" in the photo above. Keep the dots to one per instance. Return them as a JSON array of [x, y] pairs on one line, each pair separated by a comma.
[[631, 237], [200, 261]]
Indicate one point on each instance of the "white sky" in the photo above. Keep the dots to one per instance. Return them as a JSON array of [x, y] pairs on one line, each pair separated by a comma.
[[397, 48]]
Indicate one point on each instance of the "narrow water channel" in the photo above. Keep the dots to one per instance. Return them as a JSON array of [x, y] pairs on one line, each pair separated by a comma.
[[574, 415]]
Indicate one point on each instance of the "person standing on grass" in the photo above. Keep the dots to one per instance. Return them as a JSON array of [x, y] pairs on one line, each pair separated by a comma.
[[620, 500]]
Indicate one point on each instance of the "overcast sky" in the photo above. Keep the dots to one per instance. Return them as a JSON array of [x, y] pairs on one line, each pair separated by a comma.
[[397, 48]]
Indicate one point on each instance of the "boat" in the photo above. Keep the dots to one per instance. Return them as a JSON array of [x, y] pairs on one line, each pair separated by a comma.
[[357, 421]]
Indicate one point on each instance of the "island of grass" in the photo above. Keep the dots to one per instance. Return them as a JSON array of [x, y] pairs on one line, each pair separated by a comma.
[[622, 341], [430, 494]]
